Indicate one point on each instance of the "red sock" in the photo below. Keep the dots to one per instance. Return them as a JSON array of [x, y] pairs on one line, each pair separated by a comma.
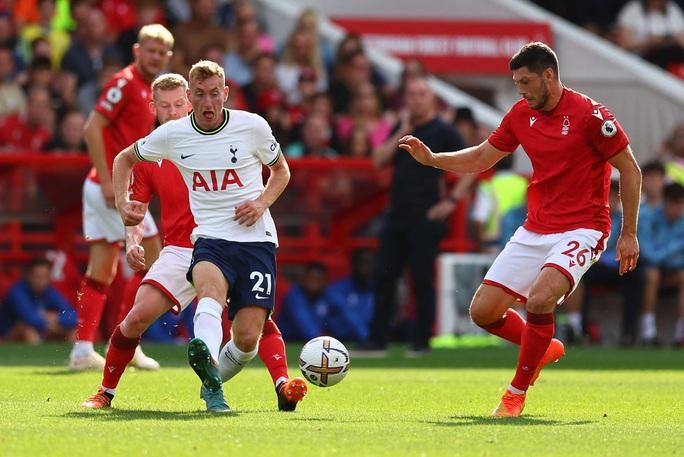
[[272, 351], [120, 352], [91, 300], [129, 294], [510, 327], [535, 340]]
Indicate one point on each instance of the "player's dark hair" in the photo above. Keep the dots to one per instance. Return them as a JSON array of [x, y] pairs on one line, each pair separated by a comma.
[[653, 166], [673, 192], [536, 56]]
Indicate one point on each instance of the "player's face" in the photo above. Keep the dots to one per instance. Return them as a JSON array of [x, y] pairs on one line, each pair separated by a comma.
[[152, 57], [171, 104], [207, 98], [533, 87]]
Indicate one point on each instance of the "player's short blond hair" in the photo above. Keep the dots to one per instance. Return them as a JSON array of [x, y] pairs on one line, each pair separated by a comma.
[[206, 69], [168, 81], [156, 32]]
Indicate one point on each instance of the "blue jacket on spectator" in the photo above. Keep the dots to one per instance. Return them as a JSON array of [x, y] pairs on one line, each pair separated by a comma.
[[21, 305], [300, 318], [350, 309], [662, 241]]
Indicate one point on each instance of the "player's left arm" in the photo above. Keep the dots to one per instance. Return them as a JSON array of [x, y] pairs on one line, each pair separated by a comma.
[[630, 193], [250, 211]]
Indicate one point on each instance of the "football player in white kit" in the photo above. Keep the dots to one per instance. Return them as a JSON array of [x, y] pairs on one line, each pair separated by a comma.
[[220, 154]]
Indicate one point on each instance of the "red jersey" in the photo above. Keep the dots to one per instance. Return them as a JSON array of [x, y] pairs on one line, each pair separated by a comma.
[[165, 180], [16, 134], [569, 147], [124, 101]]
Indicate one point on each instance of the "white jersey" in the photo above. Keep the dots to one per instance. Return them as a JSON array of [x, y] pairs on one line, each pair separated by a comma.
[[222, 169]]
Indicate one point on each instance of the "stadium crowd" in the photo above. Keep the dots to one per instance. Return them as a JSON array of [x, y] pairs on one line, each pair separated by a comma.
[[322, 101]]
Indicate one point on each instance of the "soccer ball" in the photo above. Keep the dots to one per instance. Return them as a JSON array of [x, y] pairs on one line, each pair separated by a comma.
[[324, 361]]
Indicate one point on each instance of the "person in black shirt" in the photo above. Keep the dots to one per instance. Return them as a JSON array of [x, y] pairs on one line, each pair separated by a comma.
[[416, 221]]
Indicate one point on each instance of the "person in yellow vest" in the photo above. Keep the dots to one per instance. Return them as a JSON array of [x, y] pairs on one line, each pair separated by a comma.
[[494, 197]]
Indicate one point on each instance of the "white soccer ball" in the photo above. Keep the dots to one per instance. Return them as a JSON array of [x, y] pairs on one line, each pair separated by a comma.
[[324, 361]]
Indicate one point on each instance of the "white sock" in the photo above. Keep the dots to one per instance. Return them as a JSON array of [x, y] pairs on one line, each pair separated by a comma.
[[109, 391], [648, 326], [679, 330], [279, 381], [82, 349], [575, 320], [516, 391], [232, 360], [208, 324]]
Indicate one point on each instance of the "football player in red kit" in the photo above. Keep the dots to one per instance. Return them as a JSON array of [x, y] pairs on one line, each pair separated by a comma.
[[572, 141], [120, 117], [165, 286]]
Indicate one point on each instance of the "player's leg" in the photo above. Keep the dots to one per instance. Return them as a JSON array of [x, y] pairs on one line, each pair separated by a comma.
[[649, 333], [272, 353], [150, 304], [247, 327], [491, 309], [92, 295]]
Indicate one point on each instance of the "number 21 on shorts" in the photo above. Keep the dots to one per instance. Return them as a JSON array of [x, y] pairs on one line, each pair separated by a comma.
[[260, 292]]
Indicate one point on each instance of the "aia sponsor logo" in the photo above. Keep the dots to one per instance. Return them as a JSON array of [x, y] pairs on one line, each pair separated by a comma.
[[212, 182]]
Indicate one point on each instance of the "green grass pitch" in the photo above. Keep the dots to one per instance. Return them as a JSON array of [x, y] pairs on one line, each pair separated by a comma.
[[595, 402]]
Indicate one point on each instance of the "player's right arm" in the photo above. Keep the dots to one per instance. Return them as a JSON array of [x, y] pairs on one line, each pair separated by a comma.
[[469, 160], [95, 142], [132, 212], [140, 190]]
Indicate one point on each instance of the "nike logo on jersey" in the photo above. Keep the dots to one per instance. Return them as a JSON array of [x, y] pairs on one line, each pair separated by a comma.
[[185, 157], [533, 119]]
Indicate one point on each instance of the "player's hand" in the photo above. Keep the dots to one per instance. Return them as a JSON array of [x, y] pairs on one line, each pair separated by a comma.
[[417, 149], [107, 189], [627, 252], [135, 257], [249, 212], [441, 210], [133, 212]]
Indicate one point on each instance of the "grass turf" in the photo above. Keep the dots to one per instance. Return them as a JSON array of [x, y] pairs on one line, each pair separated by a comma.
[[602, 402]]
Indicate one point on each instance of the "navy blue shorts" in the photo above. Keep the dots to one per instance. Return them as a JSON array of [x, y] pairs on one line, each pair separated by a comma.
[[249, 268]]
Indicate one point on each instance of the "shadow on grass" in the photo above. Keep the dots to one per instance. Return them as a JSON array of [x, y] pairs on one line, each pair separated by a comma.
[[465, 421], [56, 372], [145, 414]]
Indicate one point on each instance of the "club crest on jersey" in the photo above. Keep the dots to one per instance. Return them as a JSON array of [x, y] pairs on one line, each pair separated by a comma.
[[233, 151], [566, 125], [533, 119], [608, 128]]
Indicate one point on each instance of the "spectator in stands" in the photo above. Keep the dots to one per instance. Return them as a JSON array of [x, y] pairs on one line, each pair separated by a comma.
[[416, 219], [365, 112], [263, 79], [605, 272], [69, 138], [315, 140], [304, 307], [31, 130], [87, 95], [661, 236], [33, 310], [350, 300], [46, 27], [300, 53], [308, 89], [308, 20], [146, 12], [194, 37], [466, 124], [271, 105], [673, 152], [494, 197], [61, 85], [90, 49], [653, 29], [354, 71], [652, 183], [413, 68], [358, 145], [247, 45], [8, 37], [12, 98]]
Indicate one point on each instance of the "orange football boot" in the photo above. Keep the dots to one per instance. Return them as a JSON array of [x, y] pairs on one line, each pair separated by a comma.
[[290, 393], [553, 353], [511, 405], [99, 400]]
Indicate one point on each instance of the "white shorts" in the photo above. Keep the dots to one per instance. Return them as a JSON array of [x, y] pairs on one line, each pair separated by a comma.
[[517, 266], [168, 275], [103, 223]]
